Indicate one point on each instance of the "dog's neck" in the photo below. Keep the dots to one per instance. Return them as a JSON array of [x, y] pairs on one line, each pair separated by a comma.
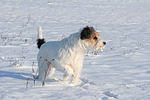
[[74, 40]]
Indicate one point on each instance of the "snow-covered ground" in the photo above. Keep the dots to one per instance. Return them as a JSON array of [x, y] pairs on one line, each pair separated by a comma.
[[121, 71]]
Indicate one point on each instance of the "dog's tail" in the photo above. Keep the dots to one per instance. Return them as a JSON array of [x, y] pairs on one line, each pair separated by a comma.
[[40, 40]]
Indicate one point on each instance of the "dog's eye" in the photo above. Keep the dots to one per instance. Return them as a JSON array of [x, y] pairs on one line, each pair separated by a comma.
[[95, 38]]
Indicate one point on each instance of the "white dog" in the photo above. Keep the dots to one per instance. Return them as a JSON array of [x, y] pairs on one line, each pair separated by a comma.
[[67, 55]]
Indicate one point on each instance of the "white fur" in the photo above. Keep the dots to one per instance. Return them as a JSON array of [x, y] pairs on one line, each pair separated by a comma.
[[66, 56], [40, 32]]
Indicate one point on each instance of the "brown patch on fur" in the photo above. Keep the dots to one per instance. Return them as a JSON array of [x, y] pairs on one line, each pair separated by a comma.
[[94, 38]]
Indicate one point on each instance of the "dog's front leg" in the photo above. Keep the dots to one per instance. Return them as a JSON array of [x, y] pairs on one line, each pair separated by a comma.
[[68, 72], [65, 68], [75, 76]]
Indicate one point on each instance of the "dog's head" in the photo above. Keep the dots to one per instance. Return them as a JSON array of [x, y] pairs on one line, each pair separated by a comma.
[[92, 37]]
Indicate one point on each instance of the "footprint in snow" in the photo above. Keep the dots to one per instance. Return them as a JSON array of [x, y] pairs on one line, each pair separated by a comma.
[[107, 93], [85, 83]]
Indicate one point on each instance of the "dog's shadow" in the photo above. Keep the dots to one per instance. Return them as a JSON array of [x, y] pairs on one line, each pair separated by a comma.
[[23, 76], [26, 76], [16, 75]]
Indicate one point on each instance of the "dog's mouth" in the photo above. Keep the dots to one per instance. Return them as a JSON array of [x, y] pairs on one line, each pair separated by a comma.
[[100, 46]]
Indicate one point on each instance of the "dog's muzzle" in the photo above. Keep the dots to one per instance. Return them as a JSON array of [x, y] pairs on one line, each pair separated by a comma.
[[100, 46], [104, 43]]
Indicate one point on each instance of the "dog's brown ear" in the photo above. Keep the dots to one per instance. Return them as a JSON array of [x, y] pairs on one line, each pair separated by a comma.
[[87, 32]]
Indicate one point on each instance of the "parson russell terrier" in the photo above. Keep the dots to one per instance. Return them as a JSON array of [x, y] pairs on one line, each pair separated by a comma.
[[67, 55]]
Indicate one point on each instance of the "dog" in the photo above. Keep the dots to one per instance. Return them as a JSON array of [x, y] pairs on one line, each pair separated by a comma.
[[67, 55]]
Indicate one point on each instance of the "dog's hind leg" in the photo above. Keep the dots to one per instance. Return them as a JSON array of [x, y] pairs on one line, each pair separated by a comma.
[[51, 71], [43, 69]]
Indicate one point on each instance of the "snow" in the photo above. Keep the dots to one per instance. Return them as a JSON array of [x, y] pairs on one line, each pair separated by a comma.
[[120, 72]]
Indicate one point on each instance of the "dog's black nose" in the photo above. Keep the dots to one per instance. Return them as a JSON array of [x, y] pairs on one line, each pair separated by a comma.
[[104, 43]]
